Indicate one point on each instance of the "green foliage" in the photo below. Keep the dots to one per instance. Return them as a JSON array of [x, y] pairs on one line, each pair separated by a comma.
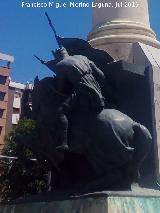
[[23, 176], [21, 136]]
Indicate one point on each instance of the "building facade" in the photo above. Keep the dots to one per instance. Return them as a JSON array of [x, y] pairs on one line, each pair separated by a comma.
[[15, 92], [5, 61], [10, 98]]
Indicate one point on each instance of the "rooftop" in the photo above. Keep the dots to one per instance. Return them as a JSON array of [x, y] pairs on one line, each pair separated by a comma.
[[17, 85], [21, 86], [6, 57]]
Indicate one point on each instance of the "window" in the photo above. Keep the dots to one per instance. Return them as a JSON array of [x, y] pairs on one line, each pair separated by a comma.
[[16, 102], [2, 95], [16, 110], [17, 94], [1, 130], [1, 113], [3, 79]]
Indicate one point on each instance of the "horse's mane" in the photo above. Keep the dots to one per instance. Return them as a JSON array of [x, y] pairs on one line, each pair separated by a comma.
[[45, 92]]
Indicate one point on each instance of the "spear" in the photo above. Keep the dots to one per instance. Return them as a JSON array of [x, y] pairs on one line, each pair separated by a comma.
[[39, 59], [54, 30]]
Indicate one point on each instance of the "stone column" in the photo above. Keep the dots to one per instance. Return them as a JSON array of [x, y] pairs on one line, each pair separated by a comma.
[[118, 24], [122, 28]]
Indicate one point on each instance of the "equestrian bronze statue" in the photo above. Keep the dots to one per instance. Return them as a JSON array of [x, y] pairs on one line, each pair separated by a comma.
[[89, 144]]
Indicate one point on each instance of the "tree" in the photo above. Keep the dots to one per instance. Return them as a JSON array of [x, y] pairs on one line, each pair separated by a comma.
[[24, 175]]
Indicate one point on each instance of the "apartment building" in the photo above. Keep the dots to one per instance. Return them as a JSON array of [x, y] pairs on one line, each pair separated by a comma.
[[15, 92], [5, 61]]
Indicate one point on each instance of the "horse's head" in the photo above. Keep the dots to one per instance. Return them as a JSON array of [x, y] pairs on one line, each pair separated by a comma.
[[45, 103], [45, 99]]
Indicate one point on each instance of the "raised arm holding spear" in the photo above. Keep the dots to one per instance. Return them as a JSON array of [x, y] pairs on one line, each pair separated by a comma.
[[56, 37]]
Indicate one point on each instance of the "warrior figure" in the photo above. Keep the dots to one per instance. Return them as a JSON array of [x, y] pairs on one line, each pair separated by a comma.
[[87, 82]]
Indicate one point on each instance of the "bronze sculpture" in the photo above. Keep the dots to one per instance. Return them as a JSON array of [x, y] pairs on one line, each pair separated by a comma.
[[111, 143], [96, 147]]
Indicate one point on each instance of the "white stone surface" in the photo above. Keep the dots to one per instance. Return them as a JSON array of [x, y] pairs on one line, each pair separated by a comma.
[[149, 56], [116, 29], [155, 101], [125, 34], [144, 54], [135, 14]]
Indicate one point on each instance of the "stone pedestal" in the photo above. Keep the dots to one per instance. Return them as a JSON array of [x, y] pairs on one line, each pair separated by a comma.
[[131, 88], [124, 32], [137, 84], [118, 25], [109, 202], [150, 58]]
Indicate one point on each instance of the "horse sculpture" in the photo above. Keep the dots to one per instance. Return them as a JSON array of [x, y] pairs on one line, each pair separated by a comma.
[[106, 150]]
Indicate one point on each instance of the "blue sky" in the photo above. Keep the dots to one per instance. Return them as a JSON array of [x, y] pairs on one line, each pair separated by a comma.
[[24, 32]]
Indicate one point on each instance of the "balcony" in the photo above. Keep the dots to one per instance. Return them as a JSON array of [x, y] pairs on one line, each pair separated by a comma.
[[15, 118], [17, 103]]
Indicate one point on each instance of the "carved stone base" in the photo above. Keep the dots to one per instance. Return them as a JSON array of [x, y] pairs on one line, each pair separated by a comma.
[[106, 202]]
